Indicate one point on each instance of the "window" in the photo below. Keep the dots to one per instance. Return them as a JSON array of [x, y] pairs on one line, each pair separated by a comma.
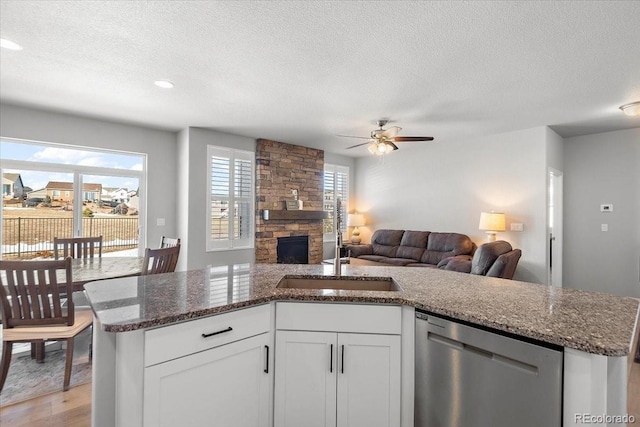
[[60, 189], [336, 185], [230, 194]]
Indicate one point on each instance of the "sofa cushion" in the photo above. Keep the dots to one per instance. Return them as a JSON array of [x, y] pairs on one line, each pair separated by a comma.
[[412, 245], [459, 263], [487, 254], [386, 242], [376, 258], [397, 261], [443, 245], [359, 250], [420, 264]]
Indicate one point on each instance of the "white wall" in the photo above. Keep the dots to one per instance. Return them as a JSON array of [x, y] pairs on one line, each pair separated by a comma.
[[602, 168], [182, 182], [160, 147], [192, 211], [444, 186]]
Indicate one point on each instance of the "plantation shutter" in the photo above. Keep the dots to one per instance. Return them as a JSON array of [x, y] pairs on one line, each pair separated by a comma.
[[336, 185], [230, 203]]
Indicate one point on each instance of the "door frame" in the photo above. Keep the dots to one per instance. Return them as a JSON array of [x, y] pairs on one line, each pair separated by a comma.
[[554, 231]]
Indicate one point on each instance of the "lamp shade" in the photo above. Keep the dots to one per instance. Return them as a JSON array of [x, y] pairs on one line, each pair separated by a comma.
[[492, 221], [355, 220]]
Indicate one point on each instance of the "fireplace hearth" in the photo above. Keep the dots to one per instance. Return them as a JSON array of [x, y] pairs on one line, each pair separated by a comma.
[[293, 250]]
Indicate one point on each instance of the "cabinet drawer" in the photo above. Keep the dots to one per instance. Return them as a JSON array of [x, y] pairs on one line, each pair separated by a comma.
[[184, 338], [359, 318]]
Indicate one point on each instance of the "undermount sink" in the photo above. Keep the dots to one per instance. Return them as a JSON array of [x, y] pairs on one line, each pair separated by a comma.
[[361, 283]]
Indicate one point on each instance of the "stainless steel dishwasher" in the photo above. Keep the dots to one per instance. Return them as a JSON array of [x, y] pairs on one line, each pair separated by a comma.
[[470, 377]]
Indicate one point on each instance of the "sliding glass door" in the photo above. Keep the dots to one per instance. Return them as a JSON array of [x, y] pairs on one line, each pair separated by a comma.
[[63, 191]]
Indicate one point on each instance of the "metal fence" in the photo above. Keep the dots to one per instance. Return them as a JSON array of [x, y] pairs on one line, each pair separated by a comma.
[[33, 237]]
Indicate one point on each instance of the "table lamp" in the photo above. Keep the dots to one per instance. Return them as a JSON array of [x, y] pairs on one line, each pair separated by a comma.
[[491, 223], [355, 220]]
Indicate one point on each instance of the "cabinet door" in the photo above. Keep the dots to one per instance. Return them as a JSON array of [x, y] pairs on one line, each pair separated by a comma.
[[305, 379], [223, 386], [368, 380]]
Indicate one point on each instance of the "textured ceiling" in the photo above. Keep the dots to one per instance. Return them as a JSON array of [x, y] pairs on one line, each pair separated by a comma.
[[304, 72]]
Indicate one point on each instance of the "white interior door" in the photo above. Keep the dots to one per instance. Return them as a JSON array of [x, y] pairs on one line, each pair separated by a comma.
[[555, 244]]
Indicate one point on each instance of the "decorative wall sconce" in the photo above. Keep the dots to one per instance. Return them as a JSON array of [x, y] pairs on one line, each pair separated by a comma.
[[491, 223], [355, 220]]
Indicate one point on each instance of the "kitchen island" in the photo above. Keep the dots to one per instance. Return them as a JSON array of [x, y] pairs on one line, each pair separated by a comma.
[[595, 330]]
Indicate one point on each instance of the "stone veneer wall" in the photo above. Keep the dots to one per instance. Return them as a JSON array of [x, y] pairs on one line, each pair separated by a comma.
[[281, 168]]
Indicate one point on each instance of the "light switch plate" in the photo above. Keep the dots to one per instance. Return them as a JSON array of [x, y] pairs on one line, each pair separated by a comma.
[[516, 226], [606, 208]]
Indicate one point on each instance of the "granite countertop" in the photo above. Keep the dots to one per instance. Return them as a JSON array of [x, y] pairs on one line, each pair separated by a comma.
[[588, 321]]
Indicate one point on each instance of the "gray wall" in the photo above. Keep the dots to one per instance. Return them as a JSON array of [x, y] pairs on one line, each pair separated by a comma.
[[602, 168], [160, 147], [438, 186]]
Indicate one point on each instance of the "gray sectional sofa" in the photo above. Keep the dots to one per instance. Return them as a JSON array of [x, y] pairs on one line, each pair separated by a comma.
[[448, 251], [413, 248]]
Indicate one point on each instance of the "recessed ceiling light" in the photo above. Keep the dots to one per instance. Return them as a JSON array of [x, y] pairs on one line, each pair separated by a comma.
[[8, 44], [165, 84], [632, 109]]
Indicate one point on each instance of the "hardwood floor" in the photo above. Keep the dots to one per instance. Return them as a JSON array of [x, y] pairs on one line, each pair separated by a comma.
[[73, 408], [59, 409]]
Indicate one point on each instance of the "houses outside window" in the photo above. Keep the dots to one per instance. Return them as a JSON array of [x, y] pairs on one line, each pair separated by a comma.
[[230, 199], [336, 185], [61, 197]]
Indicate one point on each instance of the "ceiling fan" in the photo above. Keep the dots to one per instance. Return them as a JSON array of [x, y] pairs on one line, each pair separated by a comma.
[[382, 141]]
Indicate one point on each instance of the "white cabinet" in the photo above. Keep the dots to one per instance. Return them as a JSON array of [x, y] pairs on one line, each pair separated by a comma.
[[305, 383], [368, 380], [214, 371], [223, 386], [336, 378]]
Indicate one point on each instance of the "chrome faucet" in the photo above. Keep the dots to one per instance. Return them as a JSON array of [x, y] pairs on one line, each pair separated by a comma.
[[336, 264]]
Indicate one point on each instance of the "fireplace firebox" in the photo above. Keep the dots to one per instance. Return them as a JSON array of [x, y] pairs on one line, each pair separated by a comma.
[[293, 250]]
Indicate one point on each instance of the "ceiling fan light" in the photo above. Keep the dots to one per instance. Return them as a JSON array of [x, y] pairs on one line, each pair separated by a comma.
[[373, 148], [632, 109], [385, 148]]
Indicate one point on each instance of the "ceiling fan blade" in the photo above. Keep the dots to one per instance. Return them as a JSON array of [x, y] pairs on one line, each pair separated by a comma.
[[395, 147], [412, 138], [358, 145], [351, 136], [391, 132]]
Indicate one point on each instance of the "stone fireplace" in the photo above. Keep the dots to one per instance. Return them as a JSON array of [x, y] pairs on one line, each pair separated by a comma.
[[281, 168]]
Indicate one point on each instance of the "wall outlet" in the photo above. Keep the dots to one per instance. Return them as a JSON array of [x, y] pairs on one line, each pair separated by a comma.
[[604, 227], [606, 208], [160, 222], [516, 226]]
